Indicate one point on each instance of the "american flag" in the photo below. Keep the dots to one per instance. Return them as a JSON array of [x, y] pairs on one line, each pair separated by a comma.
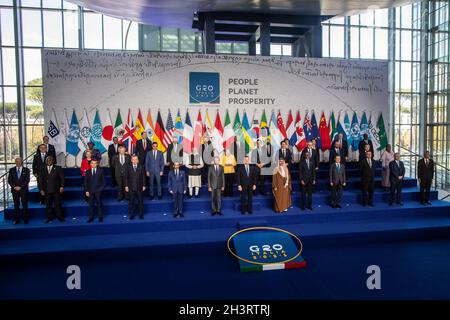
[[168, 134]]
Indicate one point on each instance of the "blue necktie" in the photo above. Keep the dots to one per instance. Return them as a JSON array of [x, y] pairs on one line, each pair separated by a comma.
[[246, 170], [18, 173]]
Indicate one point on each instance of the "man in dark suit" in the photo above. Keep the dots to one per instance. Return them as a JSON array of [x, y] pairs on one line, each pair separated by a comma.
[[121, 162], [344, 145], [336, 150], [113, 149], [337, 182], [51, 181], [367, 168], [261, 159], [154, 166], [216, 184], [143, 146], [177, 188], [314, 155], [94, 183], [307, 179], [246, 181], [18, 180], [208, 157], [174, 153], [135, 186], [49, 147], [39, 162], [396, 175], [425, 174], [285, 153], [362, 146]]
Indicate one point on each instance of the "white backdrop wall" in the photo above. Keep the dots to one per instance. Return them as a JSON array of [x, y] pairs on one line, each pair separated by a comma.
[[107, 81]]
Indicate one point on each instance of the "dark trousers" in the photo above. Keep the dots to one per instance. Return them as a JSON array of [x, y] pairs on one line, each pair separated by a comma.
[[113, 176], [55, 198], [367, 189], [93, 198], [424, 195], [152, 179], [120, 180], [336, 194], [20, 196], [306, 191], [216, 200], [260, 180], [136, 194], [396, 186], [177, 203], [247, 199], [229, 181]]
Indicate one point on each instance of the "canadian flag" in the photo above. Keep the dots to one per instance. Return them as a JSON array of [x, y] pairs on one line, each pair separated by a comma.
[[301, 138]]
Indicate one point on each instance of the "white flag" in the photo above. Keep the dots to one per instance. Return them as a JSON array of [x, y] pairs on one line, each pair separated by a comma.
[[85, 132]]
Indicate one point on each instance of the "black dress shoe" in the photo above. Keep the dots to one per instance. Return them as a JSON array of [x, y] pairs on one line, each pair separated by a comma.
[[242, 212], [400, 203], [100, 219], [250, 212], [371, 205], [181, 215], [197, 196], [310, 208], [141, 217], [90, 220], [119, 199], [428, 202], [213, 213], [219, 213], [48, 220], [390, 203], [16, 222], [131, 217], [333, 206], [339, 206]]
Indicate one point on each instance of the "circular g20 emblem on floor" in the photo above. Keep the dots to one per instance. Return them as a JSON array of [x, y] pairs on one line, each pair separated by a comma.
[[266, 248]]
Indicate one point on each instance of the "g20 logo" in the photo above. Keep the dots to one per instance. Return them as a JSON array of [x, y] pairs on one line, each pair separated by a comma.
[[204, 87], [266, 247]]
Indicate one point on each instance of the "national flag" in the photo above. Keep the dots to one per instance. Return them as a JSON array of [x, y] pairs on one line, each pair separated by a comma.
[[254, 131], [237, 127], [64, 128], [55, 135], [264, 127], [363, 127], [290, 129], [333, 127], [73, 136], [355, 133], [85, 132], [324, 133], [275, 135], [382, 137], [315, 131], [108, 131], [208, 125], [118, 126], [228, 133], [300, 142], [128, 138], [188, 135], [178, 133], [217, 134], [168, 133], [347, 126], [280, 125], [307, 128], [149, 127], [139, 126], [159, 133], [249, 145], [96, 133], [199, 132]]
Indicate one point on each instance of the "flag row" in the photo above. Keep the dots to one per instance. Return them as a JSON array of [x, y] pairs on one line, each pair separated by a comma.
[[70, 136]]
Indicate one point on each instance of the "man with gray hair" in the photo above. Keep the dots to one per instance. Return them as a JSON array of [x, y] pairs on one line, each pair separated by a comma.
[[396, 175], [18, 180]]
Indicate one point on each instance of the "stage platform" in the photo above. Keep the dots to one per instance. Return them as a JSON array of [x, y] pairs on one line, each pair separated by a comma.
[[159, 235]]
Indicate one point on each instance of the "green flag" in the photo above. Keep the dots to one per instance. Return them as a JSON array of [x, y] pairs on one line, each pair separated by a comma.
[[237, 127], [118, 126], [333, 127], [381, 133]]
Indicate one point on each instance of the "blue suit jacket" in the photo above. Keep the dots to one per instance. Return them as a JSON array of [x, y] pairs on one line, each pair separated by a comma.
[[177, 183], [94, 183], [153, 165], [395, 171]]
